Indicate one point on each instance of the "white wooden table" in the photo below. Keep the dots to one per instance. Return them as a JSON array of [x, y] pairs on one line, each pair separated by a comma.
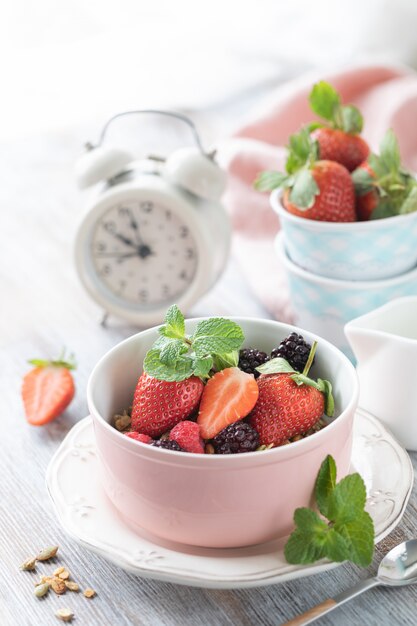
[[43, 308]]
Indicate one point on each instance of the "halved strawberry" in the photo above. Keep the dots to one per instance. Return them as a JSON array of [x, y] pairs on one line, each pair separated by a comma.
[[47, 390], [228, 396]]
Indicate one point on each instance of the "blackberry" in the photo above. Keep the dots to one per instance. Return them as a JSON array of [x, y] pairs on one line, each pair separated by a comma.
[[167, 445], [236, 438], [295, 350], [250, 359]]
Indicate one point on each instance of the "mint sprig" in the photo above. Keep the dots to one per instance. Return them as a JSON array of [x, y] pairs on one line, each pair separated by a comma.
[[326, 103], [281, 366], [347, 533], [176, 356]]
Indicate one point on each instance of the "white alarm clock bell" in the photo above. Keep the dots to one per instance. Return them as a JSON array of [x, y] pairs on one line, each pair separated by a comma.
[[155, 232]]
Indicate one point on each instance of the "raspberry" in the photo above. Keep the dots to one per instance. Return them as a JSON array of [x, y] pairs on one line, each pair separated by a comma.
[[139, 437], [187, 435], [293, 349], [167, 445], [236, 438], [250, 359]]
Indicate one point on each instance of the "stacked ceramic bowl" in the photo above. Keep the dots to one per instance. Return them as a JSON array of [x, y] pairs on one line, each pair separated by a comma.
[[339, 271]]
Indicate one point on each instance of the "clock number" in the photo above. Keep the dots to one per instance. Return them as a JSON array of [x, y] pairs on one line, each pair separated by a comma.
[[168, 215], [190, 253], [100, 246], [105, 270], [123, 210], [165, 290], [110, 226], [146, 206], [183, 275], [184, 232], [143, 295]]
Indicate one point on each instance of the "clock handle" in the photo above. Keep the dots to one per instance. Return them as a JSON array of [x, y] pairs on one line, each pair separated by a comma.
[[174, 114]]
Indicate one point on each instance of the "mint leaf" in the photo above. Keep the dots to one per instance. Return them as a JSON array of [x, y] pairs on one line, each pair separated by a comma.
[[349, 534], [325, 483], [352, 120], [324, 100], [266, 181], [305, 189], [359, 534], [203, 366], [181, 369], [217, 335], [171, 350], [174, 326], [305, 544], [346, 500], [228, 359], [276, 366]]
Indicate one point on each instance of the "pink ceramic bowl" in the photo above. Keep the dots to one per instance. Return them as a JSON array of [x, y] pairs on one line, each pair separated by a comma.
[[209, 500]]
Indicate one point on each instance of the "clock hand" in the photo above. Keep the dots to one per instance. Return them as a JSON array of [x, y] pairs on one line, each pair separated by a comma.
[[135, 226], [121, 237]]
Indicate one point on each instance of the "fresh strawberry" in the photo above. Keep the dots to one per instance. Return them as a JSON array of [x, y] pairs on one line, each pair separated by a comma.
[[159, 405], [338, 136], [334, 198], [284, 409], [139, 436], [317, 190], [47, 390], [227, 397], [336, 145], [187, 435]]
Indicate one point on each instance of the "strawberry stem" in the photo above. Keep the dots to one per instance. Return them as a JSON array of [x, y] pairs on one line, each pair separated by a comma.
[[310, 359]]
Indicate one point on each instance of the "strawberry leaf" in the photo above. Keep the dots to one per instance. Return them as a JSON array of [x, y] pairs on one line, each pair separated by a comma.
[[267, 181], [324, 386], [363, 181], [389, 152], [385, 208], [305, 189], [410, 203], [324, 100], [301, 149], [276, 366], [352, 120]]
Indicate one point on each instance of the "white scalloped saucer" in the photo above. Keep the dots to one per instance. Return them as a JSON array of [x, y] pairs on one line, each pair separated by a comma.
[[87, 515]]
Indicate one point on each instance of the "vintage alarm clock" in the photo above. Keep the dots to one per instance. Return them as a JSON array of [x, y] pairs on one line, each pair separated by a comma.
[[155, 232]]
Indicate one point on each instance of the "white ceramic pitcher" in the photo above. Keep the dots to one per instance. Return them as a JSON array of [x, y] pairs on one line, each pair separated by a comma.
[[384, 342]]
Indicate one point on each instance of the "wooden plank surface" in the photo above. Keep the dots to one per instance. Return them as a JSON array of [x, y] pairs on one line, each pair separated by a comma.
[[43, 308]]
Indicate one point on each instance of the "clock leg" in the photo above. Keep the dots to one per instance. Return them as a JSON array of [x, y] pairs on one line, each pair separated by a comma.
[[104, 319]]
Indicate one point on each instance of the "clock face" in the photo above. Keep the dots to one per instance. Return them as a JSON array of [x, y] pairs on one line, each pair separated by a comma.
[[143, 253]]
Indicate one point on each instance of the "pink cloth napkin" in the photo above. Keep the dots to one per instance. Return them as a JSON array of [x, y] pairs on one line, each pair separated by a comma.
[[387, 97]]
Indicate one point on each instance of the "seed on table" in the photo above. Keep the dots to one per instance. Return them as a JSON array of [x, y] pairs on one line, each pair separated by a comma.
[[64, 575], [89, 593], [29, 564], [58, 586], [58, 571], [71, 585], [47, 553], [41, 590], [64, 615]]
